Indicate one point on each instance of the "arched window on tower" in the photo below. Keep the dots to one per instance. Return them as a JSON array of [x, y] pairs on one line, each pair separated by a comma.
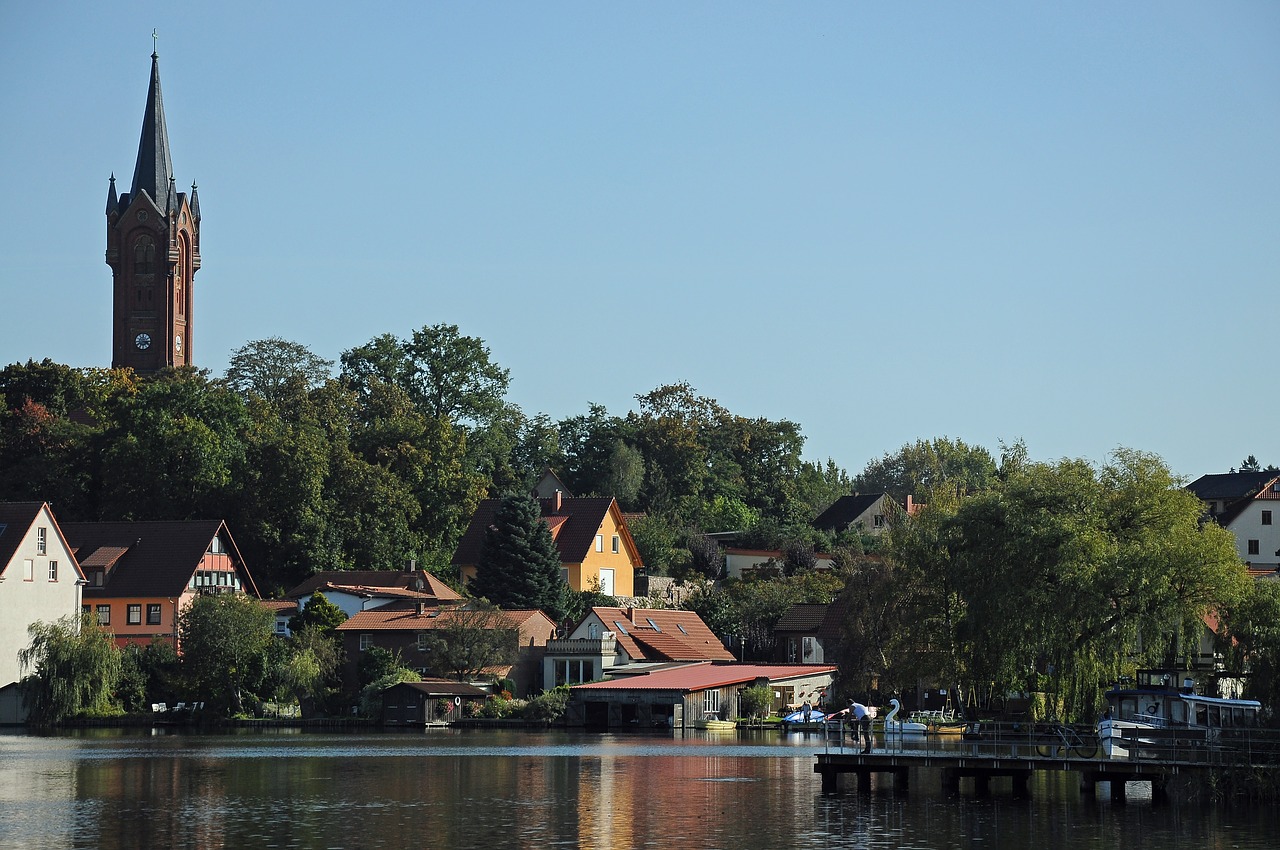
[[144, 255]]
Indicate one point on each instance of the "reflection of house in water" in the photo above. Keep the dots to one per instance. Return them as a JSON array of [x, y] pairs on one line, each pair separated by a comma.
[[681, 696]]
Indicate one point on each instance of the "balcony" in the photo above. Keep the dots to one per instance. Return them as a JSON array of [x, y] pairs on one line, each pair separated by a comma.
[[585, 647]]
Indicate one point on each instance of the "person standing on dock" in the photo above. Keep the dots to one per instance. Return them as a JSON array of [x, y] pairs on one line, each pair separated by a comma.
[[862, 724]]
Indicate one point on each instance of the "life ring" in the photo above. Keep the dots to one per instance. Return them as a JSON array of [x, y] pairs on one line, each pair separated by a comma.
[[1153, 708]]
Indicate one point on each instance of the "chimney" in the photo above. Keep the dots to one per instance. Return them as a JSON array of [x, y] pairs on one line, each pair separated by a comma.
[[557, 501], [422, 608], [910, 505], [412, 567]]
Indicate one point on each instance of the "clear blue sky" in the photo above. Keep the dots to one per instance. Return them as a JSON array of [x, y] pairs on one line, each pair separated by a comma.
[[883, 221]]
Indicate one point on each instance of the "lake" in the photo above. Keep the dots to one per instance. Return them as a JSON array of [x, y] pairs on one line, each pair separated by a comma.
[[481, 788]]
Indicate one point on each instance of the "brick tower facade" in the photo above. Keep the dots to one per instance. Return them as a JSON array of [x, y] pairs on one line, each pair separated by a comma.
[[153, 249]]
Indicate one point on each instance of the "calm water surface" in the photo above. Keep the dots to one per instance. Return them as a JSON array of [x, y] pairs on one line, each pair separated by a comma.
[[111, 789]]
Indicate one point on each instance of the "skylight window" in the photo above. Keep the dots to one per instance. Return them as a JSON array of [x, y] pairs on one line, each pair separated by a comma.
[[681, 628], [652, 623], [620, 627]]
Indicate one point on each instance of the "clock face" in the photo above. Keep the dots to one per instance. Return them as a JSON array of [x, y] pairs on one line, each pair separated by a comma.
[[143, 341]]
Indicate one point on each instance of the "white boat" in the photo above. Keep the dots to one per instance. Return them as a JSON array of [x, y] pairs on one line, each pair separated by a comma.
[[805, 718], [901, 728], [1156, 703]]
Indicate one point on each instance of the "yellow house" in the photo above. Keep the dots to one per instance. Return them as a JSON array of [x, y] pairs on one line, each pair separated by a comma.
[[596, 549]]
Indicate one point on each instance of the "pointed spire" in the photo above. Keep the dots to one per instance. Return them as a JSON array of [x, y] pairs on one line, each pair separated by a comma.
[[113, 203], [195, 202], [154, 171]]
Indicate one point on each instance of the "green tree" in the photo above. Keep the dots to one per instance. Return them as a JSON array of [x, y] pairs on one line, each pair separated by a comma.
[[308, 669], [756, 701], [268, 368], [927, 466], [224, 640], [319, 614], [1064, 568], [1250, 640], [71, 669], [519, 563], [466, 641]]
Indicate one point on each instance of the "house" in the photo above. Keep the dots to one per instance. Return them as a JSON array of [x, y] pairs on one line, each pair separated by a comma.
[[611, 640], [427, 703], [283, 610], [809, 633], [596, 549], [403, 628], [678, 697], [141, 576], [359, 590], [549, 484], [1246, 504], [739, 563], [868, 513], [40, 581]]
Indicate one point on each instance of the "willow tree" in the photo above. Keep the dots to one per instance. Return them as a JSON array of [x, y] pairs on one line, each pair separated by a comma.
[[1061, 575], [74, 668]]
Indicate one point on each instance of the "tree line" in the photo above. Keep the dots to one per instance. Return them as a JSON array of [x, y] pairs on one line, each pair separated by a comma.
[[385, 459]]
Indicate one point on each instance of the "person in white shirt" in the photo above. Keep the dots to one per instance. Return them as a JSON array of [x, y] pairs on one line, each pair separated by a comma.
[[862, 719]]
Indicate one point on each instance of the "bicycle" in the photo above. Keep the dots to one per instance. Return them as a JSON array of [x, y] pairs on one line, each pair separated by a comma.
[[1063, 740]]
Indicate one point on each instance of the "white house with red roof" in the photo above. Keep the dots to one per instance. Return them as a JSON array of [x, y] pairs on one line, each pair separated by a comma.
[[354, 591], [39, 581], [611, 641], [1248, 505], [678, 697]]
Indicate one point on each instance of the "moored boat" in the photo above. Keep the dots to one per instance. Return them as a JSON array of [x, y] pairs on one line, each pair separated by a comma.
[[901, 728], [1156, 703]]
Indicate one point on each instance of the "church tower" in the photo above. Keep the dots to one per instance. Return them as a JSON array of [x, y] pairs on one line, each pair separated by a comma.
[[153, 249]]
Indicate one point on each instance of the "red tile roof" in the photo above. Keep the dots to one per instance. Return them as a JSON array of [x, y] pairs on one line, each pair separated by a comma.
[[700, 677], [280, 606], [695, 640], [403, 579], [407, 618]]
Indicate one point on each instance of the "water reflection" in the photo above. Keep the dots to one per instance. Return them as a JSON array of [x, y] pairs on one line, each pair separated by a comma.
[[512, 789]]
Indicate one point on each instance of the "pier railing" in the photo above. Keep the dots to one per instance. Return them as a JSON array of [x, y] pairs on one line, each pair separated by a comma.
[[1039, 741]]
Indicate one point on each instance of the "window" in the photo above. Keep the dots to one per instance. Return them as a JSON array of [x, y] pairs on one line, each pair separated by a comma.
[[366, 641], [104, 615], [144, 255], [681, 628], [215, 546], [28, 570], [617, 625], [133, 615], [1253, 547], [86, 609], [53, 571], [599, 542], [617, 544], [879, 521], [809, 647], [711, 701], [422, 641], [652, 624], [97, 578], [153, 614], [1266, 517], [42, 540]]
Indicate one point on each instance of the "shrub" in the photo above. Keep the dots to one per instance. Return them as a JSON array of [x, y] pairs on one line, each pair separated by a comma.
[[548, 706]]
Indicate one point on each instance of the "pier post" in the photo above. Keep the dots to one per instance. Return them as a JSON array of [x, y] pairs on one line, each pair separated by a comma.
[[981, 784], [864, 782], [1117, 790], [950, 780], [901, 779], [1020, 781], [830, 785]]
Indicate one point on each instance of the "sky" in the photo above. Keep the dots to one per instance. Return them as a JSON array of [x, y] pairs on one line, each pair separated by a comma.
[[999, 221]]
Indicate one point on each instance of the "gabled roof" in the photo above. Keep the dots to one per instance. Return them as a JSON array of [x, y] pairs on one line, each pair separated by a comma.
[[280, 606], [398, 617], [16, 519], [1268, 491], [662, 634], [846, 510], [700, 677], [443, 688], [159, 557], [1228, 486], [574, 524], [373, 581], [801, 618]]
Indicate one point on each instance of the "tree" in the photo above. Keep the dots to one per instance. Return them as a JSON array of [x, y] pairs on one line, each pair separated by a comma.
[[756, 701], [224, 640], [266, 368], [1251, 640], [1066, 569], [466, 641], [927, 466], [320, 615], [519, 563], [451, 376], [706, 558], [307, 671], [71, 669]]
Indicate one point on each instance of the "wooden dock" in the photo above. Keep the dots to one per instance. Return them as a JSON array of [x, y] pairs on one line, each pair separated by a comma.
[[1015, 752]]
